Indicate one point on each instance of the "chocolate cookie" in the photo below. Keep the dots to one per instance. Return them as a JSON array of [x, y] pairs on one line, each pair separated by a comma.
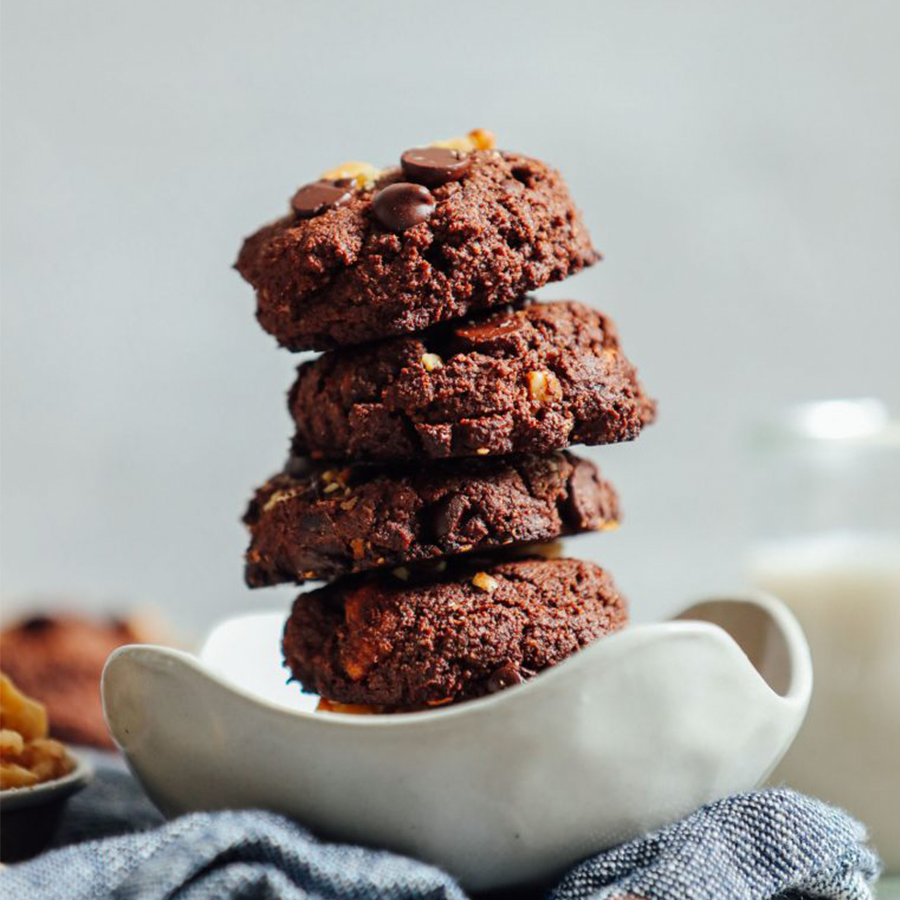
[[531, 380], [353, 263], [375, 640], [58, 660], [320, 523]]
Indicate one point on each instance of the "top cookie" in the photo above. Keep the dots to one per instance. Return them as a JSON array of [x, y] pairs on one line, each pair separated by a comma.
[[360, 259]]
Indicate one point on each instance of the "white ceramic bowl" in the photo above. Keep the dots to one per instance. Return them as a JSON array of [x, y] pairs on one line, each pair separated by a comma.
[[633, 732]]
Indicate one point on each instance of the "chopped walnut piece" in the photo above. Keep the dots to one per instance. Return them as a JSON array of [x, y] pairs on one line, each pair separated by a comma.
[[281, 497], [485, 582], [20, 713], [432, 361], [543, 386], [11, 743], [335, 478], [364, 174], [28, 755], [478, 139], [354, 709]]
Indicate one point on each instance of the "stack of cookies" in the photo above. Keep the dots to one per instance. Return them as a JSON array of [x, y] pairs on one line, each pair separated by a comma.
[[429, 475]]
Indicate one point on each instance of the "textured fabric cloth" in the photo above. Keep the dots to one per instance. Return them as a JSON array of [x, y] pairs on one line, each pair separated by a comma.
[[767, 844], [774, 843]]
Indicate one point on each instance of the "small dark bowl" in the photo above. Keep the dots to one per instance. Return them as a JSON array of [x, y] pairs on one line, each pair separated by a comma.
[[29, 816]]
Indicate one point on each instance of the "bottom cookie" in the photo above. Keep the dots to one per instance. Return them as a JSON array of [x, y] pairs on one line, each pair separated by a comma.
[[410, 639]]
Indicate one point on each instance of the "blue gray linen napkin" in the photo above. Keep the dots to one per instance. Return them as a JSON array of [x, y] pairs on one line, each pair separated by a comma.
[[766, 844]]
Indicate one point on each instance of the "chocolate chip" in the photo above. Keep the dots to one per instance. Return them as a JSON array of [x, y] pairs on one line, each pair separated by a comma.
[[581, 505], [297, 466], [494, 334], [314, 199], [400, 206], [312, 521], [447, 514], [506, 676], [435, 165]]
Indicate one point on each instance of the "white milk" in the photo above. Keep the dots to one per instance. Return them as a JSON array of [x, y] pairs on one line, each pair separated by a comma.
[[845, 590]]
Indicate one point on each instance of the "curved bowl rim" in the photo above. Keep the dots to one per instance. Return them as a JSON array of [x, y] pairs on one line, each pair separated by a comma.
[[798, 692]]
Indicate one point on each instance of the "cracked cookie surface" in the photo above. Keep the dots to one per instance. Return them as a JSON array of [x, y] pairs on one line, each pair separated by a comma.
[[315, 522], [528, 380], [341, 277], [478, 628]]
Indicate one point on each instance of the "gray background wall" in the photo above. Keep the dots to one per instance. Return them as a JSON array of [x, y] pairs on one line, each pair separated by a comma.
[[738, 164]]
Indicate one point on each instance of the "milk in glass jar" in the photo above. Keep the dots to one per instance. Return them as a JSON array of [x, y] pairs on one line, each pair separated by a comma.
[[827, 495]]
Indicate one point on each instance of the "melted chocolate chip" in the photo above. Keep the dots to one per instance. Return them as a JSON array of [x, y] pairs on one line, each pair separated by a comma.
[[400, 206], [314, 199], [499, 333], [297, 466], [506, 676], [447, 514], [435, 166], [580, 507], [312, 521]]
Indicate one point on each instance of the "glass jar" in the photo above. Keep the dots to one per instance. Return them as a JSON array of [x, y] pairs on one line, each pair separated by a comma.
[[827, 497]]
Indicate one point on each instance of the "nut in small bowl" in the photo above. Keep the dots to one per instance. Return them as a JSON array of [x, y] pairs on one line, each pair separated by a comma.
[[37, 774]]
